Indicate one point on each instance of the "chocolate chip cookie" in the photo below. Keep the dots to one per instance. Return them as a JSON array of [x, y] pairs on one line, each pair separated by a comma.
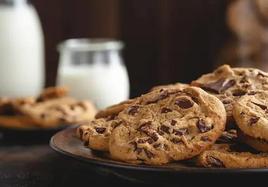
[[229, 84], [167, 125], [251, 114], [114, 109], [256, 143], [96, 133], [53, 112], [222, 156], [174, 86]]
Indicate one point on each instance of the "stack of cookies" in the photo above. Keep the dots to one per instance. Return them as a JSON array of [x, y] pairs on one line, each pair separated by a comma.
[[52, 108], [219, 120]]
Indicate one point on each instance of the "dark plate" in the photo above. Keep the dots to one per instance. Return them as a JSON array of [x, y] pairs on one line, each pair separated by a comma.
[[66, 143]]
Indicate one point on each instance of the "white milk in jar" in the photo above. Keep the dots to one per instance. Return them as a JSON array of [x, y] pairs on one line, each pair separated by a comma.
[[21, 50], [93, 69]]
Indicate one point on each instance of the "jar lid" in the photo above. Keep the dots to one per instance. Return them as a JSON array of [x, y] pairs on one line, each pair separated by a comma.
[[87, 44]]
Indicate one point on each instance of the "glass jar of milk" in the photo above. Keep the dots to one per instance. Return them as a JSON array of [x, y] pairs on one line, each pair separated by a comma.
[[21, 50], [93, 69]]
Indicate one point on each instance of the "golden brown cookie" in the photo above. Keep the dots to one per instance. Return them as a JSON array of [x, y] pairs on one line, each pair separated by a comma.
[[52, 93], [251, 114], [256, 143], [96, 133], [167, 125], [229, 84], [61, 111], [222, 157], [114, 109]]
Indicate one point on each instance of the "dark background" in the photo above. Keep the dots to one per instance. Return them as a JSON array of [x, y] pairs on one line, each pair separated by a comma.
[[166, 40]]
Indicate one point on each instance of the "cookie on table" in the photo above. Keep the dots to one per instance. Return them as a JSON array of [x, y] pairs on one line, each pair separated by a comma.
[[229, 84], [251, 114], [53, 112], [222, 156], [167, 125]]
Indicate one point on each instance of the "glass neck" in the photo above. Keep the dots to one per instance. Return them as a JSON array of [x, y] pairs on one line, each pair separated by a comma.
[[13, 2]]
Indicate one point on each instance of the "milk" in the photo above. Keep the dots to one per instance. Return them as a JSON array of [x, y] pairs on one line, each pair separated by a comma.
[[21, 51], [104, 84]]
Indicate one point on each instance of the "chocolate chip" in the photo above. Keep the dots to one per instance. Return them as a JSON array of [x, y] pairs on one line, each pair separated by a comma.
[[176, 140], [156, 145], [263, 107], [43, 116], [100, 130], [145, 126], [181, 131], [239, 92], [261, 74], [162, 96], [153, 136], [195, 99], [244, 80], [136, 149], [160, 133], [82, 105], [150, 140], [111, 117], [165, 110], [205, 139], [226, 101], [141, 141], [132, 110], [173, 122], [202, 126], [166, 147], [165, 128], [253, 120], [148, 153], [252, 93], [214, 162], [72, 107], [218, 86], [184, 103]]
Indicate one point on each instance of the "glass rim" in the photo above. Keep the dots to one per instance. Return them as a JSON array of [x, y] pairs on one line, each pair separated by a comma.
[[90, 44]]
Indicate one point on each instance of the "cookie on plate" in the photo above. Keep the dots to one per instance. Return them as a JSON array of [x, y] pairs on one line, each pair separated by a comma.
[[222, 156], [96, 133], [106, 120], [114, 109], [256, 143], [167, 125], [170, 86], [229, 84], [251, 115]]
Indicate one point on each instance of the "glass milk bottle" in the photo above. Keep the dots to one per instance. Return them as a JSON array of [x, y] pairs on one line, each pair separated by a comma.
[[21, 50], [93, 69]]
